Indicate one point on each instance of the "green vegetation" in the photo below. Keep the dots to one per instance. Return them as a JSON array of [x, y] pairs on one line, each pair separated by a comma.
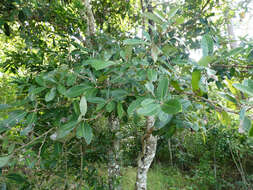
[[104, 95]]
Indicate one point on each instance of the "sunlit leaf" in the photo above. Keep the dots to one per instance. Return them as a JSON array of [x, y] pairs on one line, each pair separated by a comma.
[[83, 105], [196, 76], [150, 87], [152, 16], [205, 61], [172, 12], [50, 95], [152, 75], [207, 45], [4, 161], [99, 64], [149, 110], [135, 42], [245, 89]]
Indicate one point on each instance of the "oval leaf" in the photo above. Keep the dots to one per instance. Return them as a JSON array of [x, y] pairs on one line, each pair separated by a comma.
[[76, 90], [99, 64], [163, 87], [196, 76], [4, 161], [65, 129], [50, 95], [172, 106], [83, 106], [84, 131]]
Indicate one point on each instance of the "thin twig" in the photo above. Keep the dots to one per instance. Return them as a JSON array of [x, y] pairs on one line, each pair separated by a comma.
[[207, 2], [42, 144], [31, 142], [233, 65], [214, 104]]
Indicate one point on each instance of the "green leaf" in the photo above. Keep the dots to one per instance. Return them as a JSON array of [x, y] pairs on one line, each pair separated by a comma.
[[40, 81], [228, 97], [61, 89], [76, 90], [50, 95], [3, 186], [246, 124], [14, 118], [17, 178], [175, 84], [120, 110], [251, 131], [135, 42], [163, 87], [76, 107], [37, 90], [64, 130], [248, 82], [119, 94], [147, 101], [169, 50], [163, 120], [4, 161], [110, 106], [172, 106], [30, 120], [155, 51], [92, 92], [134, 105], [196, 76], [4, 107], [172, 12], [207, 45], [149, 110], [99, 64], [100, 106], [71, 79], [245, 89], [83, 106], [84, 131], [179, 20], [57, 148], [150, 87], [96, 100], [152, 16], [224, 118], [204, 61], [152, 75]]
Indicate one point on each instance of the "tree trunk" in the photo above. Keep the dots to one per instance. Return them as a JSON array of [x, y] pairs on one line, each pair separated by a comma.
[[114, 156], [149, 143], [230, 31], [90, 32]]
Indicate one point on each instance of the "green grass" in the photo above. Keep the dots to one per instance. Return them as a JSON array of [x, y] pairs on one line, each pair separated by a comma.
[[159, 178]]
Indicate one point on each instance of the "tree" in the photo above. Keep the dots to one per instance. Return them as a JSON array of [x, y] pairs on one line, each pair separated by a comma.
[[74, 78]]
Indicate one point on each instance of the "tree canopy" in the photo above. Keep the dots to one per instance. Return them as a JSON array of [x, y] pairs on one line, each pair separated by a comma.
[[74, 87]]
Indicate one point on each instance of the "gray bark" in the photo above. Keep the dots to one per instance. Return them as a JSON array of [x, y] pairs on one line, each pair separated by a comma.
[[149, 143], [230, 31], [114, 156], [232, 38], [90, 21]]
